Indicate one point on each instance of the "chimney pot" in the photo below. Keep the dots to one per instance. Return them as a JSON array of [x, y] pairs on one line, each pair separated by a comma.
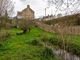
[[28, 6]]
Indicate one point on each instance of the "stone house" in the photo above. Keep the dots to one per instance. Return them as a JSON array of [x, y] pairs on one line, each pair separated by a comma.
[[27, 13]]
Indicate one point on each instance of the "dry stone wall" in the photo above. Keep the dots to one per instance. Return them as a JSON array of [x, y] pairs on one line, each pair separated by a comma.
[[66, 30]]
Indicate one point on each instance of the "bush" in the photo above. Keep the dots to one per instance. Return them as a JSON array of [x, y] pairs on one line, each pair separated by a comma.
[[45, 39], [47, 52], [53, 41], [1, 45], [73, 48], [3, 35], [36, 42]]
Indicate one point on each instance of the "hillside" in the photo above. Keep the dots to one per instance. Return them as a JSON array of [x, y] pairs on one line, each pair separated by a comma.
[[67, 20]]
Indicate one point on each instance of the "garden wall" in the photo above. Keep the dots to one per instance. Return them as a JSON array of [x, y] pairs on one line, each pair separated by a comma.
[[66, 30]]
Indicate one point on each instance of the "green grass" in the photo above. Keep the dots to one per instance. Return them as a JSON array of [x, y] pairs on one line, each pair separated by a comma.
[[74, 39], [17, 47]]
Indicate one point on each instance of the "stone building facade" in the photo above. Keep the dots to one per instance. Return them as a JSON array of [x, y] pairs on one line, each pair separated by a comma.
[[27, 13]]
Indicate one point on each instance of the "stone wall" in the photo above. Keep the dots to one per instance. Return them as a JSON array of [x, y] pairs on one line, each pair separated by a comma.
[[75, 30]]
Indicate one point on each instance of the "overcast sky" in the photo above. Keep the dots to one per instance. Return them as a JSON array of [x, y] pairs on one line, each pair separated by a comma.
[[39, 6]]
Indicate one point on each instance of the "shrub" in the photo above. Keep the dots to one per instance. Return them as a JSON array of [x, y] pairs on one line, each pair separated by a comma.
[[1, 44], [69, 46], [45, 39], [36, 42], [73, 48], [2, 47], [53, 41], [3, 35], [56, 41], [47, 52]]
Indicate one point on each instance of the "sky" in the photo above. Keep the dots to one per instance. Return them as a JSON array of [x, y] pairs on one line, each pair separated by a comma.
[[39, 7]]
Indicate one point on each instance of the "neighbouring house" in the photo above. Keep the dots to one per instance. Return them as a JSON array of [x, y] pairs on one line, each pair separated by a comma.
[[27, 13], [49, 17], [59, 15]]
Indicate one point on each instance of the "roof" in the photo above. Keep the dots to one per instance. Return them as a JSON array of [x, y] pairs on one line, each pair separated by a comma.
[[28, 7]]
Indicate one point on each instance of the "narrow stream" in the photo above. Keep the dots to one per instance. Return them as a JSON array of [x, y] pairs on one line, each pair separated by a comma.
[[65, 55]]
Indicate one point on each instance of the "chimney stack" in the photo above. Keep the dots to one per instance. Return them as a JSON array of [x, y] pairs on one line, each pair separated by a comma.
[[28, 6]]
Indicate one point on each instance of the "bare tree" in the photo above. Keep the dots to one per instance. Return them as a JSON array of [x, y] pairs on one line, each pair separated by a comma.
[[6, 10], [24, 25], [6, 5], [67, 6]]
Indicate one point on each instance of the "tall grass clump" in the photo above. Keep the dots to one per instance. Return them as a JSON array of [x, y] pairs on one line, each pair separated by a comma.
[[36, 42], [4, 34], [47, 52], [53, 40]]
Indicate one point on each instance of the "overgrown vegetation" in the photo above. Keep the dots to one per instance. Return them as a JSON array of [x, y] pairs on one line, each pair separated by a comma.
[[4, 35], [36, 42], [19, 47], [71, 43], [47, 52], [70, 20], [23, 24]]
